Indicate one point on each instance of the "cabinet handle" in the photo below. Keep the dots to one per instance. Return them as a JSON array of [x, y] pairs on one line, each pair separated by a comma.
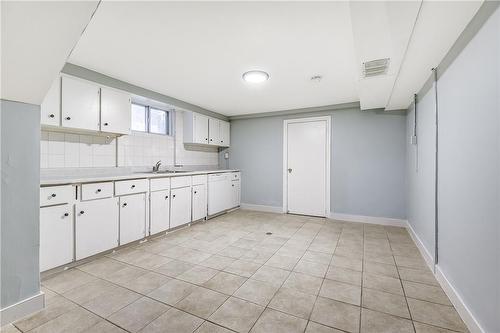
[[82, 212], [106, 124], [51, 115], [68, 118], [124, 204], [166, 197], [195, 192], [206, 139], [66, 214], [173, 196], [222, 141], [53, 195], [210, 140], [133, 186], [98, 190], [232, 185]]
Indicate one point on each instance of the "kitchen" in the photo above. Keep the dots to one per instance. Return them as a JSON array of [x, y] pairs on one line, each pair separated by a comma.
[[249, 166]]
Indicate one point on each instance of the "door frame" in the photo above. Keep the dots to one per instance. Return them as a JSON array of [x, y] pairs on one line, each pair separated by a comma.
[[328, 120]]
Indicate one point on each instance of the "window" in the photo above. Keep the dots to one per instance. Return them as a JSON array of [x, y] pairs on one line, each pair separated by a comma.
[[150, 119]]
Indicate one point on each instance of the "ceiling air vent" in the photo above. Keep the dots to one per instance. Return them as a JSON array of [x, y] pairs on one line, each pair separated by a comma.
[[375, 67]]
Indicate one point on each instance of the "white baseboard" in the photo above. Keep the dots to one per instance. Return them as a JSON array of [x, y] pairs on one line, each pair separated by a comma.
[[262, 208], [22, 309], [457, 301], [368, 219], [428, 257]]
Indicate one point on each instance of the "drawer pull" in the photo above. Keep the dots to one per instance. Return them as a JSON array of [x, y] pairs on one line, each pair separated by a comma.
[[173, 196], [124, 204], [166, 197], [53, 195], [133, 186], [68, 118], [106, 124], [195, 192], [82, 212], [66, 214], [51, 115], [98, 190]]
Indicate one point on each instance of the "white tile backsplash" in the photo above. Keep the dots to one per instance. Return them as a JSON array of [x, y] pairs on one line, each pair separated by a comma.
[[70, 150]]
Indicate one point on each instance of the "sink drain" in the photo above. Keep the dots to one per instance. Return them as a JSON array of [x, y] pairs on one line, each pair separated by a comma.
[[269, 233]]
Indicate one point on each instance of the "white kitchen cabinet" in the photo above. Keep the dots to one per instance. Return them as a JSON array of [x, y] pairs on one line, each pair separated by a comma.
[[180, 206], [56, 236], [219, 193], [235, 193], [96, 224], [195, 128], [214, 131], [79, 104], [50, 109], [199, 202], [224, 133], [160, 211], [132, 218], [115, 111]]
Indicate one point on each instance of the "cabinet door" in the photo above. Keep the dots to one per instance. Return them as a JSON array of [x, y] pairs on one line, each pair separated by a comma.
[[56, 236], [235, 193], [213, 131], [132, 218], [200, 130], [180, 206], [96, 225], [115, 111], [79, 104], [224, 133], [160, 211], [50, 110], [199, 202]]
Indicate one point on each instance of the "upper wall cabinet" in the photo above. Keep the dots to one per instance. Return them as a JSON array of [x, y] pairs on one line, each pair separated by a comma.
[[203, 130], [50, 110], [79, 104], [115, 111]]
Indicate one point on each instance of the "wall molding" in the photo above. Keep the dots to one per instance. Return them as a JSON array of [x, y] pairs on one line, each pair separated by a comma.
[[22, 309], [368, 219], [428, 257], [457, 301], [262, 208]]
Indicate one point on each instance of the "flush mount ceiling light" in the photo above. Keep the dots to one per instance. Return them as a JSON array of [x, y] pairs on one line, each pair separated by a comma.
[[255, 76]]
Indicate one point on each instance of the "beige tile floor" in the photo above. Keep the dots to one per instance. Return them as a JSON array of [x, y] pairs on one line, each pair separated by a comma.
[[310, 275]]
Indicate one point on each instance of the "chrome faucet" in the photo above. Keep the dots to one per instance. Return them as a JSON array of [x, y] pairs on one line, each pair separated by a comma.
[[156, 167]]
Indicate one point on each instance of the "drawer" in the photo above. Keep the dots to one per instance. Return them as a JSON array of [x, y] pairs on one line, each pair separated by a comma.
[[125, 187], [235, 175], [200, 180], [159, 184], [55, 195], [177, 182], [97, 191]]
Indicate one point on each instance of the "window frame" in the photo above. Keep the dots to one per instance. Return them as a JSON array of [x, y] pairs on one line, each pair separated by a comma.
[[168, 120]]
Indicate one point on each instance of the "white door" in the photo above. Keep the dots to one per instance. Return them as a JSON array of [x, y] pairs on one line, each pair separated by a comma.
[[132, 218], [224, 133], [235, 193], [200, 124], [50, 110], [199, 202], [115, 111], [306, 166], [96, 226], [56, 236], [180, 206], [213, 131], [79, 104], [160, 211]]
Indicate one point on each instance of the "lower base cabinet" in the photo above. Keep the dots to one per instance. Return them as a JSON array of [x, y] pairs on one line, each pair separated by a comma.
[[180, 206], [160, 211], [96, 224], [132, 218], [56, 236], [199, 202], [235, 193]]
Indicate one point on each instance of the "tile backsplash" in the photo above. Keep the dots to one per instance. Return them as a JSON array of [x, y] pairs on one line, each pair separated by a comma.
[[69, 150]]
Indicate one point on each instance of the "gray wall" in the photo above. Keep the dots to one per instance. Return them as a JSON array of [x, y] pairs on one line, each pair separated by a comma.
[[20, 169], [422, 169], [368, 161], [468, 174]]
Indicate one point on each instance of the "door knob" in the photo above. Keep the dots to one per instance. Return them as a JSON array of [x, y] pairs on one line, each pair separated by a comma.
[[289, 170]]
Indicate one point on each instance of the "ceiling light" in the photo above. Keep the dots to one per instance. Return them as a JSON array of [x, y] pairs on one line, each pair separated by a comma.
[[255, 76]]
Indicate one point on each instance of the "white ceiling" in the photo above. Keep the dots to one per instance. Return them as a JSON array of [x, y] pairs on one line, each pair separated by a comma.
[[197, 51], [37, 38]]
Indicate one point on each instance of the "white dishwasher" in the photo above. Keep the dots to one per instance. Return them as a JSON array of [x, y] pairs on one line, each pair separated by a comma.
[[219, 192]]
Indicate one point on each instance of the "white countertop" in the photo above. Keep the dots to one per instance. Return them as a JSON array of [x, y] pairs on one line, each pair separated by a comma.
[[67, 179]]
